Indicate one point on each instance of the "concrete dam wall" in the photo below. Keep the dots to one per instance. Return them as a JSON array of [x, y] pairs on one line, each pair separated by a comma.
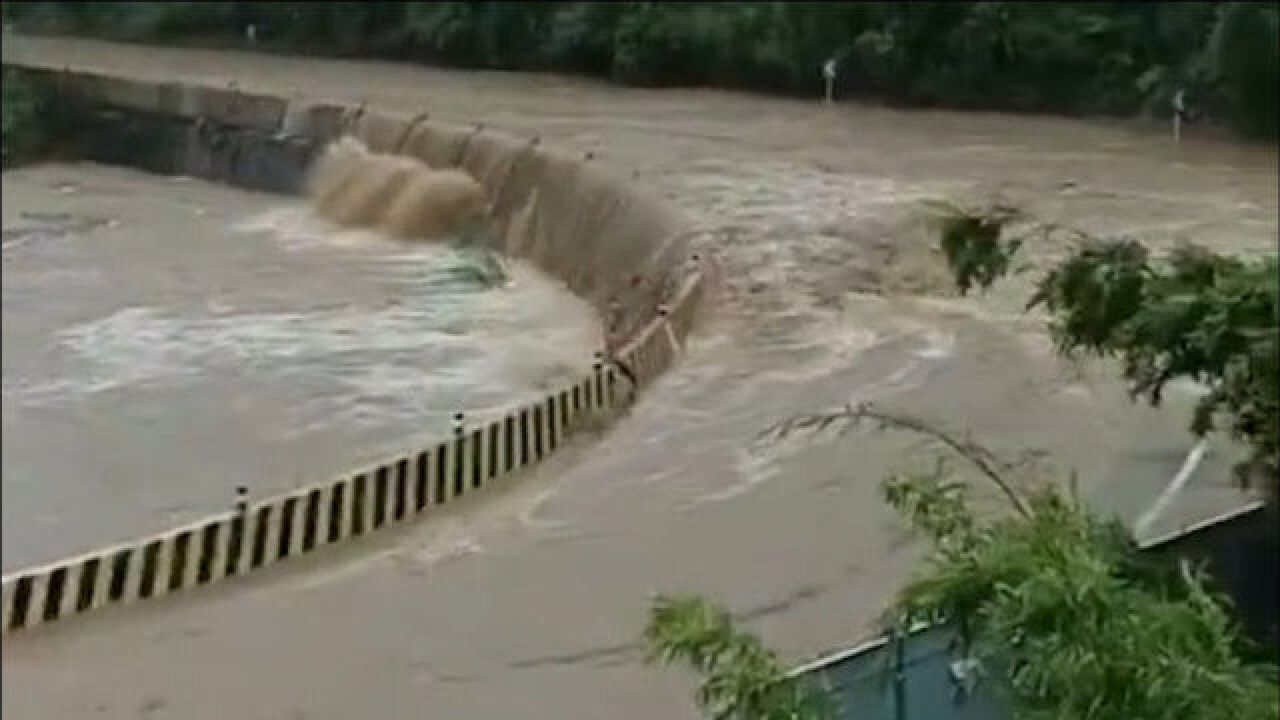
[[624, 252]]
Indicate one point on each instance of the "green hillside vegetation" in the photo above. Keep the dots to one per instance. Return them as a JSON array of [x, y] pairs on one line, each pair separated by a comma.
[[1065, 57]]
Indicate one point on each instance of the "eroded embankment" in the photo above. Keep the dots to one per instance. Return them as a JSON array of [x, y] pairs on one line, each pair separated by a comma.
[[621, 251]]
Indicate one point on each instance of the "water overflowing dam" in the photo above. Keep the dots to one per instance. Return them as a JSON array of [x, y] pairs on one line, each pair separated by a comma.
[[531, 604], [400, 196]]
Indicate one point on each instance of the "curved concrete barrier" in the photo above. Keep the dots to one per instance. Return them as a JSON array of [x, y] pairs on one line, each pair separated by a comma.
[[624, 252]]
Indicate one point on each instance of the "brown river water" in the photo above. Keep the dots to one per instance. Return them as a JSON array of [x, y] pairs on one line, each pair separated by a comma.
[[167, 339], [530, 604]]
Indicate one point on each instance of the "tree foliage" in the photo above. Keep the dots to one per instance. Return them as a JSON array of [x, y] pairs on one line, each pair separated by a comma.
[[1058, 610], [973, 242], [741, 678], [1193, 315], [1071, 57]]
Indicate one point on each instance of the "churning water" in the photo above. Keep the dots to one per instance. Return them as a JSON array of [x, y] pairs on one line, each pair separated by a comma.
[[167, 339], [397, 195]]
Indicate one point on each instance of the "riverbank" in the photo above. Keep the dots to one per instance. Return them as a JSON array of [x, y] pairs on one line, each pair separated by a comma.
[[1075, 60]]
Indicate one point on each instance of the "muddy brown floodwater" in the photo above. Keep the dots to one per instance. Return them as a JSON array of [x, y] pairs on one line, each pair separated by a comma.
[[530, 603], [167, 339]]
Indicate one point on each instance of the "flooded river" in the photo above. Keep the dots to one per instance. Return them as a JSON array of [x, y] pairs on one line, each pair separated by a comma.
[[167, 339], [531, 604]]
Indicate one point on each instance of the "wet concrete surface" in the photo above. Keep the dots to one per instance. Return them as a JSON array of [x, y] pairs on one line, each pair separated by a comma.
[[530, 603]]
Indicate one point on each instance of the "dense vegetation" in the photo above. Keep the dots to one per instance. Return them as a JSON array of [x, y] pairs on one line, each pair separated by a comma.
[[1066, 57]]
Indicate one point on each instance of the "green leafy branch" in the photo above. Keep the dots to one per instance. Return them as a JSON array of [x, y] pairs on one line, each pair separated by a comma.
[[1194, 315], [1059, 609], [741, 678], [974, 241]]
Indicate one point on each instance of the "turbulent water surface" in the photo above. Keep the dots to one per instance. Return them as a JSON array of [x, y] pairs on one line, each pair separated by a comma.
[[531, 604], [167, 339]]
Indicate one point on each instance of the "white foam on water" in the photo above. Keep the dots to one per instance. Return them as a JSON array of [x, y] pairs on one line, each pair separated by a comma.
[[394, 355], [410, 330], [296, 228]]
